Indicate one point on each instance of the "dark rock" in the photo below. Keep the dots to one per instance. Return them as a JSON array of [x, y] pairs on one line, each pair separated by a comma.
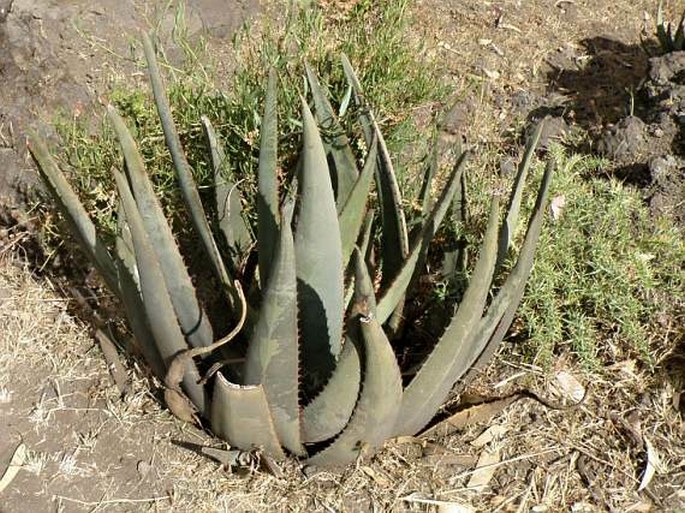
[[459, 116]]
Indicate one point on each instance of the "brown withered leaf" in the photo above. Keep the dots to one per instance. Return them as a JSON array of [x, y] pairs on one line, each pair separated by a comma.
[[377, 475], [478, 413], [557, 206], [227, 457], [114, 364], [434, 454], [653, 466], [441, 506], [568, 387]]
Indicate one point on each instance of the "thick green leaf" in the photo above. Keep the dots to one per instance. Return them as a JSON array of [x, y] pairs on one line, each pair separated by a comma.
[[191, 316], [272, 358], [73, 211], [440, 208], [493, 327], [381, 393], [367, 232], [345, 103], [679, 38], [429, 388], [511, 221], [353, 213], [156, 300], [189, 191], [330, 411], [365, 248], [240, 415], [123, 246], [394, 235], [228, 204], [344, 173], [356, 88], [318, 254], [395, 238], [267, 182], [131, 298], [393, 294]]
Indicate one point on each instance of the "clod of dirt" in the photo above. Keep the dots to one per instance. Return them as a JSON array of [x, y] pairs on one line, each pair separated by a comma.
[[625, 142], [668, 187], [649, 149], [666, 86], [554, 129], [459, 116], [660, 168]]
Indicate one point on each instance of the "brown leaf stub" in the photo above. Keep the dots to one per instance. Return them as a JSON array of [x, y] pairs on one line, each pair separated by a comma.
[[116, 368], [177, 402], [180, 405]]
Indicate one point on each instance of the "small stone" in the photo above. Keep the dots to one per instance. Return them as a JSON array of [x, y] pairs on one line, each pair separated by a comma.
[[143, 468], [662, 166]]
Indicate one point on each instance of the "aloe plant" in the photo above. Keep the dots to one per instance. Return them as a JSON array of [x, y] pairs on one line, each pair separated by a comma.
[[319, 378], [668, 40]]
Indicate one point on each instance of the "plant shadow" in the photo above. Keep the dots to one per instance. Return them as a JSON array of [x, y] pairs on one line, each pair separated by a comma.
[[598, 84], [620, 95]]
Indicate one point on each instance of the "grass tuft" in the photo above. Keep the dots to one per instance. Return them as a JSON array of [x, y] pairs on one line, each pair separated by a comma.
[[606, 275]]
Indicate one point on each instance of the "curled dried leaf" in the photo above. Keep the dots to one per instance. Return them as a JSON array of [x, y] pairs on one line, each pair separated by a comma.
[[492, 433], [653, 466]]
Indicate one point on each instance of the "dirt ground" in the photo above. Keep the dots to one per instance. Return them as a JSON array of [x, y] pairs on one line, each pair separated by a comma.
[[90, 450], [62, 56]]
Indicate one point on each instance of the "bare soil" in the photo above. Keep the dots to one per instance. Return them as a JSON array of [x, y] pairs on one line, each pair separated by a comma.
[[511, 61]]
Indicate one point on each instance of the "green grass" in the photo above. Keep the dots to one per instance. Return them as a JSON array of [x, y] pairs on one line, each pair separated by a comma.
[[608, 277], [606, 273]]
